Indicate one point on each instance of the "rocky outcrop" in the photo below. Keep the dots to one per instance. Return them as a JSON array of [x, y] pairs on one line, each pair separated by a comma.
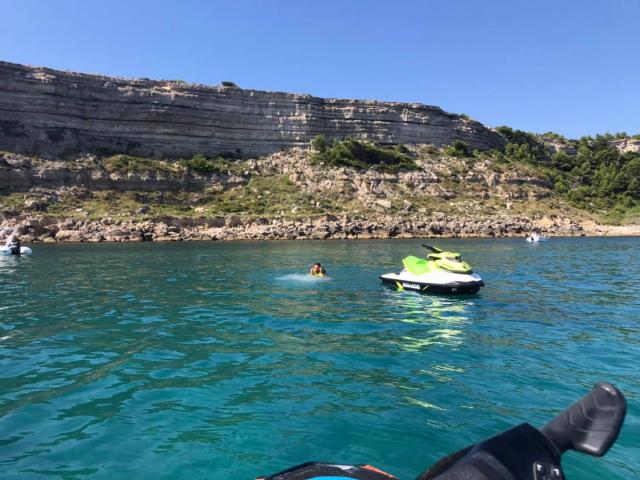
[[56, 113], [19, 173], [437, 176], [627, 144], [555, 145]]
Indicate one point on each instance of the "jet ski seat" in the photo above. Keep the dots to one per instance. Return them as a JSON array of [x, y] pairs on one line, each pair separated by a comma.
[[416, 265]]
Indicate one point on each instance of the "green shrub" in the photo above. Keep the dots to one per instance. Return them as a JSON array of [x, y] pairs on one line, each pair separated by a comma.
[[430, 149], [402, 149], [562, 161], [363, 156], [458, 149], [520, 151], [598, 177], [199, 163], [561, 187], [318, 144], [229, 83], [552, 136], [518, 137], [131, 164], [203, 165]]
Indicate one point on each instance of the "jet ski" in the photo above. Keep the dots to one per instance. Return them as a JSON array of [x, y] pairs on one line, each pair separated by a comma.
[[12, 245], [535, 238], [591, 426], [440, 272]]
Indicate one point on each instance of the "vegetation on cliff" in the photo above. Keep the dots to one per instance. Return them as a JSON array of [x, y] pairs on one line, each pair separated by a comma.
[[417, 180], [199, 164], [535, 176], [255, 196], [590, 172], [361, 155], [203, 165], [131, 164]]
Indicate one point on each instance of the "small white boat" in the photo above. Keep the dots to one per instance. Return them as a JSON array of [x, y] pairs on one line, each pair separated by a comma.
[[535, 238], [12, 246]]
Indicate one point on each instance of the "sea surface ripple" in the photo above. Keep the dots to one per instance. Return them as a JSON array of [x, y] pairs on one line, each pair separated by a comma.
[[222, 360]]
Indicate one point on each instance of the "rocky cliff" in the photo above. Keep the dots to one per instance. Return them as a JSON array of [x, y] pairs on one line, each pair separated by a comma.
[[57, 113]]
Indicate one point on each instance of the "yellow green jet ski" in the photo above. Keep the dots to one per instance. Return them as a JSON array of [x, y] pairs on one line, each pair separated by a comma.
[[440, 272]]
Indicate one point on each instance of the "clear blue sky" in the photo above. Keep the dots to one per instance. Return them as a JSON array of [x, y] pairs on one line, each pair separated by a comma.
[[571, 66]]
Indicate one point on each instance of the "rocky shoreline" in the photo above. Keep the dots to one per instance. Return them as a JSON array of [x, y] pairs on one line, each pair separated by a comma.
[[48, 229]]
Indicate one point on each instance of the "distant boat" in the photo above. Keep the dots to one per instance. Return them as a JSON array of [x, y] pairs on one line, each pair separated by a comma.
[[12, 246], [535, 238]]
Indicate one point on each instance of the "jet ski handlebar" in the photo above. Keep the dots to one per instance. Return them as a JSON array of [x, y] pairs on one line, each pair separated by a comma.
[[591, 425], [431, 248]]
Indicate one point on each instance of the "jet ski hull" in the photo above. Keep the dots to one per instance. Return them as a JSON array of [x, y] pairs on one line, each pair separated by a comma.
[[452, 287]]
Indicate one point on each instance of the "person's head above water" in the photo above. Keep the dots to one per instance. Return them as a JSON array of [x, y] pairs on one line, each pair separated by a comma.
[[317, 269]]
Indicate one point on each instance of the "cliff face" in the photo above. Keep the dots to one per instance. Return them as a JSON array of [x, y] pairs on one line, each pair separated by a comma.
[[56, 113]]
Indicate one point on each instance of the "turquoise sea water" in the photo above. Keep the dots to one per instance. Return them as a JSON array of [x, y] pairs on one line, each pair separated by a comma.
[[216, 360]]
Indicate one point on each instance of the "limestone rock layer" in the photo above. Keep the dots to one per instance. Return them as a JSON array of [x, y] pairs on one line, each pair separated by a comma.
[[58, 113]]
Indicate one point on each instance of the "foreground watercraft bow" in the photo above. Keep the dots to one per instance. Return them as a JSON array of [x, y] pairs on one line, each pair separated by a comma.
[[440, 272], [591, 426]]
